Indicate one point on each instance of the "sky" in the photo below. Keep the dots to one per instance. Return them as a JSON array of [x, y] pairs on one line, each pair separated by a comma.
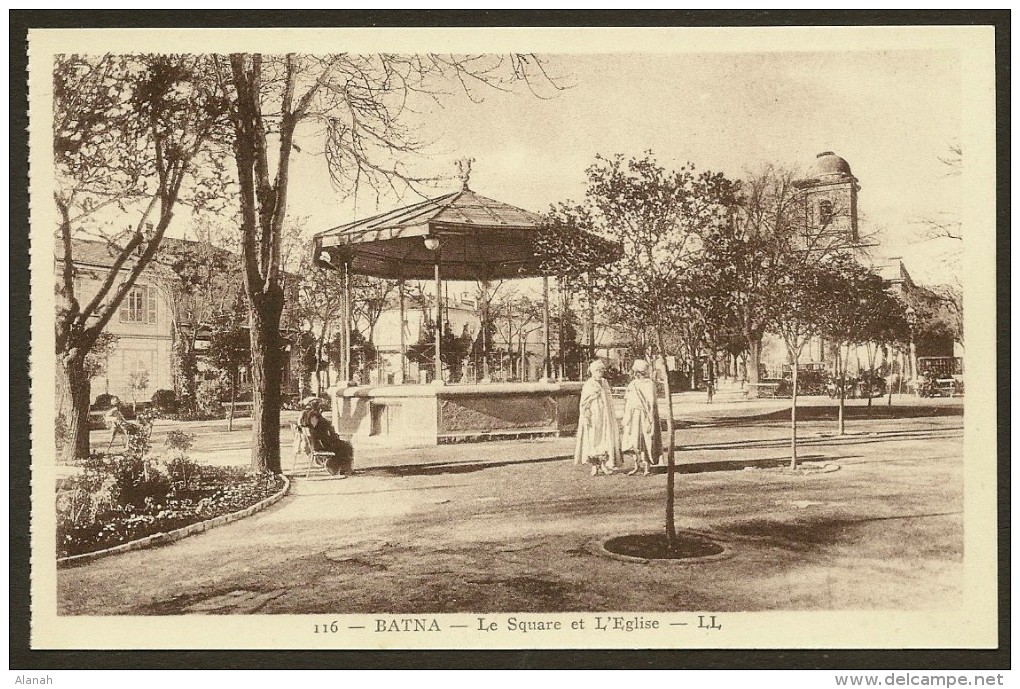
[[890, 114]]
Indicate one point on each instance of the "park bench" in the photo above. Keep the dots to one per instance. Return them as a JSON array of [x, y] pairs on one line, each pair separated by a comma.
[[765, 390], [240, 408]]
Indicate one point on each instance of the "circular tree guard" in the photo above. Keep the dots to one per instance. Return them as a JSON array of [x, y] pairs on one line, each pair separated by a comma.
[[651, 547]]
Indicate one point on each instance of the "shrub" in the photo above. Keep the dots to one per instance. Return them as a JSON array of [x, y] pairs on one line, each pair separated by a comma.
[[164, 401], [179, 440], [208, 396], [138, 444], [183, 472], [138, 483], [102, 401]]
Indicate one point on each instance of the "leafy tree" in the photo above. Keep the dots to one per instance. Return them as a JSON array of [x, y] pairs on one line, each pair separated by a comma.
[[453, 349], [363, 353], [747, 260], [935, 328], [482, 349], [207, 280], [361, 101], [742, 260], [570, 355], [128, 131], [229, 351], [708, 323], [139, 383], [656, 218], [318, 308], [309, 353], [481, 352], [861, 311], [951, 309], [807, 296]]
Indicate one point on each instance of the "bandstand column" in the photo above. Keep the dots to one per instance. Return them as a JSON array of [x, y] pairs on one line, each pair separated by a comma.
[[403, 339], [439, 326], [485, 334], [346, 325]]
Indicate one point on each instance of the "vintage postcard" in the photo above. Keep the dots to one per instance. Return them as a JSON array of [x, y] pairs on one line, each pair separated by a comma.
[[650, 338]]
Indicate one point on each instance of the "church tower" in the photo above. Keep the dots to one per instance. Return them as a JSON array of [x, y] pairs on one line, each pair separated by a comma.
[[830, 198]]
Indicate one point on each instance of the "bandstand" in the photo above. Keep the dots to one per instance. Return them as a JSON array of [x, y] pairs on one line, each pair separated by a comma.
[[462, 236]]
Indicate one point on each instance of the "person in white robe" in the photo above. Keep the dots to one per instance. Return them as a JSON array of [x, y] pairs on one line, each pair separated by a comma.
[[598, 437], [641, 432]]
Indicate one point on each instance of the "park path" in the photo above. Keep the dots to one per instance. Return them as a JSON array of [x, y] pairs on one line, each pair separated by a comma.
[[215, 445], [502, 526]]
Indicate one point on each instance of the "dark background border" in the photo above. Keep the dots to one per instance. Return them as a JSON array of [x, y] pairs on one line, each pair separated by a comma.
[[21, 657]]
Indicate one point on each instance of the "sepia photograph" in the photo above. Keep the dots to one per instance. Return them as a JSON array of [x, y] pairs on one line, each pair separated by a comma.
[[513, 338]]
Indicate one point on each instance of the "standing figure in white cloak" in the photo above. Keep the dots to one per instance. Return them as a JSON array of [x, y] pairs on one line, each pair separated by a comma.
[[641, 433], [598, 438]]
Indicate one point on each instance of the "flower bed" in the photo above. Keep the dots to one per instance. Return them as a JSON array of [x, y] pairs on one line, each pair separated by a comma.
[[116, 499]]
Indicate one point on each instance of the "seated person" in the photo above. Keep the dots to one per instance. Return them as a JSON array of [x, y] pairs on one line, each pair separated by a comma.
[[117, 424], [324, 438]]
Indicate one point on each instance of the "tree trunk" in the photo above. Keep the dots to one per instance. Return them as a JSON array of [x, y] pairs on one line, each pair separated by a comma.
[[841, 367], [266, 378], [793, 414], [74, 381], [189, 372], [233, 401], [752, 363], [672, 542], [889, 378], [710, 385], [871, 370]]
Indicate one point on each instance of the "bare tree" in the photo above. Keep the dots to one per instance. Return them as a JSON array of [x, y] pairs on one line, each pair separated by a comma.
[[127, 131], [361, 101], [748, 257], [516, 318]]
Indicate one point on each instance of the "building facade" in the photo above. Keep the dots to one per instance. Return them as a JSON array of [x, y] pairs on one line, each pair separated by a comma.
[[140, 360]]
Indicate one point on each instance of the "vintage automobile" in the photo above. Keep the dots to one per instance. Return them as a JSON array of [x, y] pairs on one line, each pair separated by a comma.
[[862, 386], [940, 376], [811, 380]]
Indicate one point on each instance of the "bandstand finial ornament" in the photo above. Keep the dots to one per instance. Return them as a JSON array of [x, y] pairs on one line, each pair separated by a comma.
[[464, 168]]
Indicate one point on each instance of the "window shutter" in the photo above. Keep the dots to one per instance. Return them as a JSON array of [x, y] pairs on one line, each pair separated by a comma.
[[150, 295]]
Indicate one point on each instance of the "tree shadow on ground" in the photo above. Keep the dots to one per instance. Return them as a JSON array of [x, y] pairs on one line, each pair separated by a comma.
[[736, 464], [438, 469], [810, 533], [829, 413], [828, 439]]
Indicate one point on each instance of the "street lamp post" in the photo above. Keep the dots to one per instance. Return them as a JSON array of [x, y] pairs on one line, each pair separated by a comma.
[[911, 316], [432, 244]]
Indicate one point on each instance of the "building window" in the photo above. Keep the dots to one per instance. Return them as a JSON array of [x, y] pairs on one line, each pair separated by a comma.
[[139, 305], [824, 213]]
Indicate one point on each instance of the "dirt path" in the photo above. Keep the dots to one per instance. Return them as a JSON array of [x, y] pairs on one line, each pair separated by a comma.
[[508, 527]]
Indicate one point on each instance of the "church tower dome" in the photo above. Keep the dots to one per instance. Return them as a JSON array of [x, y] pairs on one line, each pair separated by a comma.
[[830, 197]]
